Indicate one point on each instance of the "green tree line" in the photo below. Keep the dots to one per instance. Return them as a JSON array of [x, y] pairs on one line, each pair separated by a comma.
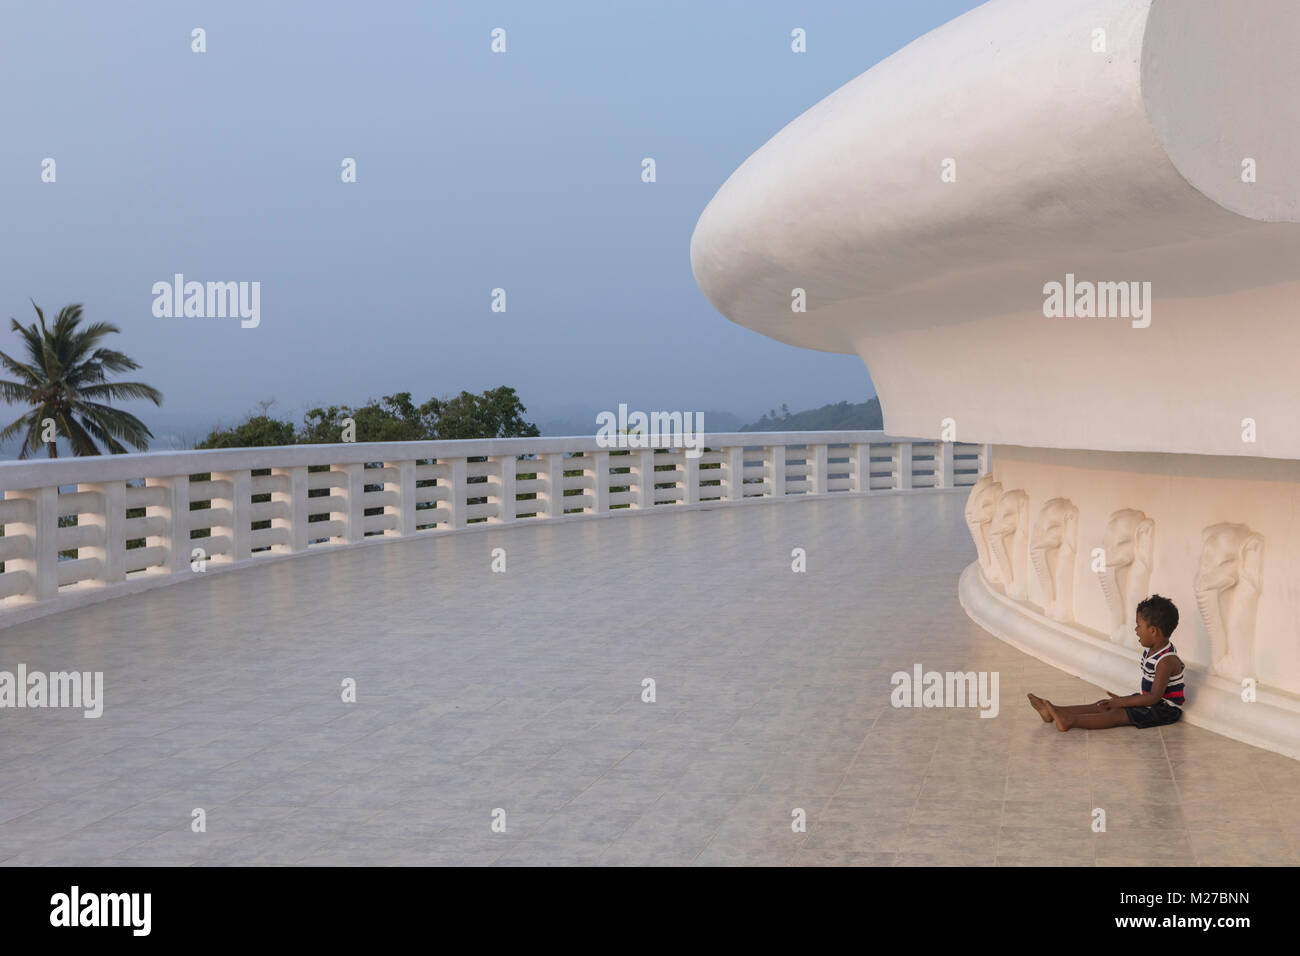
[[495, 413]]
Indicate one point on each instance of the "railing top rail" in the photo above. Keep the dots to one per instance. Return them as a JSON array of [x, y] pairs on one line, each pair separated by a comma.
[[71, 471]]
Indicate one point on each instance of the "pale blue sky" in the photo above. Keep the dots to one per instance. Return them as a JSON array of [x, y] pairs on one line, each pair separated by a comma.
[[474, 171]]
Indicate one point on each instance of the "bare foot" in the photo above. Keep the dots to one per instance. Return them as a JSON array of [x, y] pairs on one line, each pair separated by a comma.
[[1041, 706], [1063, 723]]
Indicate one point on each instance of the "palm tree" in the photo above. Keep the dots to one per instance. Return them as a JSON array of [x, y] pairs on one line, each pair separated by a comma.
[[65, 379]]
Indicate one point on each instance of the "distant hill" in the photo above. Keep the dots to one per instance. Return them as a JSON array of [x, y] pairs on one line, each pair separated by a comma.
[[838, 417], [570, 426]]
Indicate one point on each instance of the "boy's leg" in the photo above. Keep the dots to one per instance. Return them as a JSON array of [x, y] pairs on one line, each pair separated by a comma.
[[1076, 709], [1097, 720], [1042, 706]]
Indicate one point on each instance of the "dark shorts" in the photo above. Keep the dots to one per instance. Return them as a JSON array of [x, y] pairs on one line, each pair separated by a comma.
[[1156, 715]]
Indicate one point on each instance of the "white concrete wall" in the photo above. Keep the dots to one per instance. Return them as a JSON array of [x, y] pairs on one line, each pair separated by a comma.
[[1182, 496], [412, 488]]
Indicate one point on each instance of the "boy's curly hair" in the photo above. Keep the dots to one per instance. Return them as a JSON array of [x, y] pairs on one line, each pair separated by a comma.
[[1159, 612]]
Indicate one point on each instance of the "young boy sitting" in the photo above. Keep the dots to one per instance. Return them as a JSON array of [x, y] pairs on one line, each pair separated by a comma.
[[1161, 700]]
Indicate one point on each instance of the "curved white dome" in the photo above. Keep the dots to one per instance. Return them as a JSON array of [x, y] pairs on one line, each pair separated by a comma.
[[1117, 166]]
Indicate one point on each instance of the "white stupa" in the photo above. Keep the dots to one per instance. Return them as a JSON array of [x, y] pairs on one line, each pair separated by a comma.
[[1073, 230]]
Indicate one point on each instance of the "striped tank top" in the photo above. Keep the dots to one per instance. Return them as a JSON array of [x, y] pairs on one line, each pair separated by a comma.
[[1174, 689]]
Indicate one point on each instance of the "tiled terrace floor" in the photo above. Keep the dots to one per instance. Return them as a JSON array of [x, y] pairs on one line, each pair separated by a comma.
[[522, 691]]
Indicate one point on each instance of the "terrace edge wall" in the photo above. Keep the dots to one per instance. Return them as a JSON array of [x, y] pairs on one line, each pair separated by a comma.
[[261, 505]]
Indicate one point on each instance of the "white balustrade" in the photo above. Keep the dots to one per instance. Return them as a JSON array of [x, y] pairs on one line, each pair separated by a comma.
[[76, 530]]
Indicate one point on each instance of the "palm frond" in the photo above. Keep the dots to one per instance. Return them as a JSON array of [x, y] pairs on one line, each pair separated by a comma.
[[66, 378], [121, 391], [78, 437]]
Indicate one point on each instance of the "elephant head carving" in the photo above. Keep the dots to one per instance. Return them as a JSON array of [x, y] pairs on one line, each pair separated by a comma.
[[1053, 546], [979, 519], [1009, 542], [1227, 589], [1129, 546]]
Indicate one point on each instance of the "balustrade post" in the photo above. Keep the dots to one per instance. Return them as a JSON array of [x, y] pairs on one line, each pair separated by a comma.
[[902, 463], [175, 511], [600, 471], [353, 493], [860, 468], [735, 473], [776, 471], [458, 486], [645, 479], [944, 473], [691, 495], [404, 488], [111, 521], [240, 503], [819, 461], [552, 466], [296, 500], [42, 527], [508, 468]]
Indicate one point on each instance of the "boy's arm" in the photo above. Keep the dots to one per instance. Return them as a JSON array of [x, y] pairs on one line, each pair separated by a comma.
[[1164, 670], [1113, 701]]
